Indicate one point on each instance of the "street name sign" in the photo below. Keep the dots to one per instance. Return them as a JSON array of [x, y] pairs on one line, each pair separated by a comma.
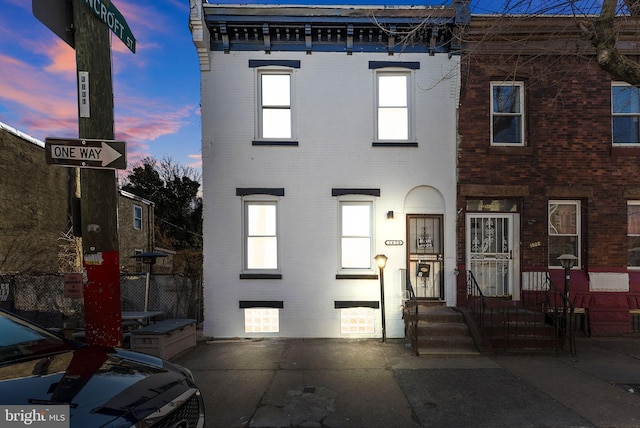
[[107, 13], [86, 153], [58, 16]]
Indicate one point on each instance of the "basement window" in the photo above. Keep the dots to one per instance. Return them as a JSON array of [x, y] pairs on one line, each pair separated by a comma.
[[357, 321], [261, 320]]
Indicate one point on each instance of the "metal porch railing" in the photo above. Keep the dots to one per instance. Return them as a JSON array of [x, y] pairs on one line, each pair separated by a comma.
[[410, 315], [542, 319]]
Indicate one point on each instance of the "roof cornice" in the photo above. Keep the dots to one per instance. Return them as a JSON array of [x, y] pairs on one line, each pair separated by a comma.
[[332, 28]]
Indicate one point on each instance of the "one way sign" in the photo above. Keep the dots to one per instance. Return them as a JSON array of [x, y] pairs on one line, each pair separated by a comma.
[[86, 153]]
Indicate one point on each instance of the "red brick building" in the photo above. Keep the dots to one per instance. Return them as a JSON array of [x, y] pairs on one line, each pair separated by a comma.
[[548, 164]]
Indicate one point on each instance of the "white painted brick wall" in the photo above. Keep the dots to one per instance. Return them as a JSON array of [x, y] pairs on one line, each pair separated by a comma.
[[334, 112]]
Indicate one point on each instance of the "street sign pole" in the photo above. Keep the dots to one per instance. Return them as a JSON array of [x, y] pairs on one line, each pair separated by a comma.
[[98, 189]]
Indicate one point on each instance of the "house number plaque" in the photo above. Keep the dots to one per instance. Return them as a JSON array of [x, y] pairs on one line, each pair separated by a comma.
[[394, 242]]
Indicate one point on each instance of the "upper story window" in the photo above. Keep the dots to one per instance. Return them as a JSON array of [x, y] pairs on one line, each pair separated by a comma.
[[625, 112], [564, 230], [137, 217], [260, 235], [275, 109], [356, 235], [507, 113], [393, 121], [633, 233]]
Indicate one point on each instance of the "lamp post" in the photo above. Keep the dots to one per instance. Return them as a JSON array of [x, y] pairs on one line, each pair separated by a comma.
[[381, 261], [567, 261]]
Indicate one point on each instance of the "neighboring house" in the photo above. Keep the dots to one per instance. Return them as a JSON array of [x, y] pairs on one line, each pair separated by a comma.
[[548, 165], [135, 230], [34, 199], [327, 139], [36, 221]]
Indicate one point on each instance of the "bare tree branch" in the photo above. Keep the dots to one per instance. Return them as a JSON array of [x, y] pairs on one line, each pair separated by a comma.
[[605, 39]]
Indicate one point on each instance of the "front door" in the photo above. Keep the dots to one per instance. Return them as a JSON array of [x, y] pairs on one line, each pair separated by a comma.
[[425, 255], [490, 252]]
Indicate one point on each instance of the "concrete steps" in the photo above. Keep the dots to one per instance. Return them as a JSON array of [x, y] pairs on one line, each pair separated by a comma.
[[442, 332]]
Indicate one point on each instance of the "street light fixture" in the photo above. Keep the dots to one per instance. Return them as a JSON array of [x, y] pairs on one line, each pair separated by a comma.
[[381, 261], [567, 261]]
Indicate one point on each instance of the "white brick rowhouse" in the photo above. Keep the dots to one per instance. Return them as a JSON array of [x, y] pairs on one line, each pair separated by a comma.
[[304, 183]]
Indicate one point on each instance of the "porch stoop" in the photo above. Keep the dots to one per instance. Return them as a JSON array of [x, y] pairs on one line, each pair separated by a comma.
[[442, 332], [520, 330]]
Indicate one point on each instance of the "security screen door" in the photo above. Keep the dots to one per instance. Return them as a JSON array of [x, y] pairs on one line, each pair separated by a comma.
[[425, 258], [490, 252]]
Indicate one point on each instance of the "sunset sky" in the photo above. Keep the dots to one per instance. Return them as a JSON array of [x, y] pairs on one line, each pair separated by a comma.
[[156, 90]]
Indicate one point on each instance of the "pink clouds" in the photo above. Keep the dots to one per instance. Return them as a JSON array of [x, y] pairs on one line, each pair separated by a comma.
[[38, 83], [44, 99], [152, 122], [197, 161], [62, 57], [147, 120], [41, 100]]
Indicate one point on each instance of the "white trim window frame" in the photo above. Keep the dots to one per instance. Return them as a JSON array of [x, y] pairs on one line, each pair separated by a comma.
[[137, 217], [507, 113], [633, 235], [625, 115], [275, 110], [260, 236], [394, 105], [564, 228], [356, 236]]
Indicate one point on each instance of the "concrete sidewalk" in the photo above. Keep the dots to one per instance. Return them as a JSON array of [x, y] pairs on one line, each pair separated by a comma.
[[366, 383]]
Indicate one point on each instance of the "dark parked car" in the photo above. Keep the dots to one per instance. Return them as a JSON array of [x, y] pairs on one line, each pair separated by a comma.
[[102, 386]]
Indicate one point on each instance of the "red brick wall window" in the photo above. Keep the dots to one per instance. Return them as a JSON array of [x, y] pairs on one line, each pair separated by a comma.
[[564, 230], [507, 113], [625, 111], [633, 233]]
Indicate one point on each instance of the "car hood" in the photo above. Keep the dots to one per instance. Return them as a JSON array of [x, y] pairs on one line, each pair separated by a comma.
[[101, 385]]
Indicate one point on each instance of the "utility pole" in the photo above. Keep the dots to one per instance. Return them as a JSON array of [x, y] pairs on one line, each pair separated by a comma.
[[98, 188]]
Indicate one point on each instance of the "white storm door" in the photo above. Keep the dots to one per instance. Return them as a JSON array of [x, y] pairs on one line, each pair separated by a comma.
[[490, 241]]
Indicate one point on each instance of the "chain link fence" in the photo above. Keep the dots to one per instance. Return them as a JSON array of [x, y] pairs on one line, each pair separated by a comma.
[[41, 298]]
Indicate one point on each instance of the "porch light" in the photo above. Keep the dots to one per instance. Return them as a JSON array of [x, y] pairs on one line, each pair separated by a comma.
[[567, 260], [381, 261]]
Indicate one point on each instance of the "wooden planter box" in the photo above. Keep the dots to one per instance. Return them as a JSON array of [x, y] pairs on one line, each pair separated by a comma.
[[165, 339]]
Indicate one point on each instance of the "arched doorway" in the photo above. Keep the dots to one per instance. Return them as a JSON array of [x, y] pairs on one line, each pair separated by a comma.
[[425, 208]]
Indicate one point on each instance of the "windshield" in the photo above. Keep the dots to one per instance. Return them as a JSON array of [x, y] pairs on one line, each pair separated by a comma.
[[20, 339]]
